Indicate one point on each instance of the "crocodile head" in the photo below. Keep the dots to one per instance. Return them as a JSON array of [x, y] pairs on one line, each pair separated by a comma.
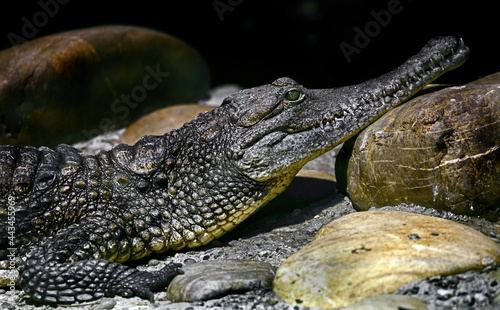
[[277, 128]]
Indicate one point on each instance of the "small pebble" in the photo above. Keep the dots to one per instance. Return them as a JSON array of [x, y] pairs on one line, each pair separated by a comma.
[[8, 306], [153, 262], [189, 261], [105, 304]]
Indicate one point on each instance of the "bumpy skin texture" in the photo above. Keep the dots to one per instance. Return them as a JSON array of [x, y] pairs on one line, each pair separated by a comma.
[[78, 217]]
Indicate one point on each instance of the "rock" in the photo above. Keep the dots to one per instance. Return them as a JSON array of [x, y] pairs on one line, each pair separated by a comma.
[[77, 84], [104, 304], [388, 302], [366, 254], [7, 306], [440, 150], [480, 224], [213, 279], [162, 121]]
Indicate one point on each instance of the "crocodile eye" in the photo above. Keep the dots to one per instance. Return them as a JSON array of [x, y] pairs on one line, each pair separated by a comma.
[[293, 95]]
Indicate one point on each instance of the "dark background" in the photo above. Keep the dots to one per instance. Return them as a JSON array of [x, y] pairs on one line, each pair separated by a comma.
[[257, 41]]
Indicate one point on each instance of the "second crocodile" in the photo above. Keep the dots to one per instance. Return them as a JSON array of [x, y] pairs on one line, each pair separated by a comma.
[[75, 218]]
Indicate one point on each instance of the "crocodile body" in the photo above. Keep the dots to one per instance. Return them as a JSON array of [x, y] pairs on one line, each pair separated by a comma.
[[78, 217]]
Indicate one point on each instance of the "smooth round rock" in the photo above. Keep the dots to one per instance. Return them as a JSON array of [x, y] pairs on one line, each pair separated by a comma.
[[162, 121], [372, 253], [440, 150], [75, 85], [213, 279]]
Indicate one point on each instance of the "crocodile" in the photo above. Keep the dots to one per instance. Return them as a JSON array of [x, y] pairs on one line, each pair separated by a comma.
[[74, 218]]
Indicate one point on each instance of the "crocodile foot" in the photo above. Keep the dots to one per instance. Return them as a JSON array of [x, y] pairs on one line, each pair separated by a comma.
[[89, 280]]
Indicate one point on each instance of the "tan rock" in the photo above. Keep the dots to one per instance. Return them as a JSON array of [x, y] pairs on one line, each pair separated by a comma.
[[162, 121], [440, 150], [373, 253]]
